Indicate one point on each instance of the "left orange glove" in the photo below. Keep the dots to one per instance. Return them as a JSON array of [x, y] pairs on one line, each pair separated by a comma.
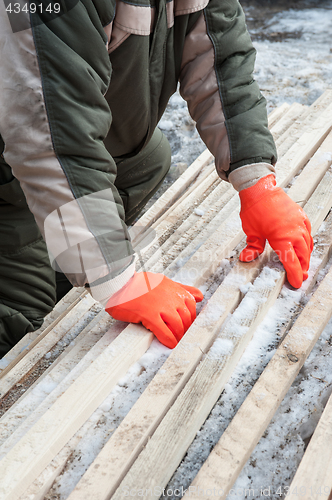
[[165, 307], [268, 213]]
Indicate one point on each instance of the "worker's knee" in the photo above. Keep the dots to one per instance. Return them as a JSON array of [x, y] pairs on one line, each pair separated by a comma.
[[140, 176], [161, 157], [27, 291], [13, 327]]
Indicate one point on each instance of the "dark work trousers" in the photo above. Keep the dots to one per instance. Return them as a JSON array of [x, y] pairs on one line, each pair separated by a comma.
[[29, 287]]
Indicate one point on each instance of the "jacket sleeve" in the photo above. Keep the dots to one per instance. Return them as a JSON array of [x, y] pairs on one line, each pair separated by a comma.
[[223, 98], [54, 118]]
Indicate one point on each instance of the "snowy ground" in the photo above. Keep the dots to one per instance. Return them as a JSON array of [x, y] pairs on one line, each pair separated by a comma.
[[294, 59], [294, 63]]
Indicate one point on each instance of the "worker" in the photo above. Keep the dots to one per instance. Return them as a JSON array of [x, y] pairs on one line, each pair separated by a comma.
[[83, 86]]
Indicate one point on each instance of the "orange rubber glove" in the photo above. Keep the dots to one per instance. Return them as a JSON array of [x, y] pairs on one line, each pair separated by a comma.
[[268, 213], [163, 306]]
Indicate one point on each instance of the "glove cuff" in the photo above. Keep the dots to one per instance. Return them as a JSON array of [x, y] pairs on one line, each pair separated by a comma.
[[248, 175], [255, 193], [104, 291]]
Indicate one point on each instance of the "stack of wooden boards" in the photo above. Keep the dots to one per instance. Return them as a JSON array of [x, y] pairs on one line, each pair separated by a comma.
[[186, 234]]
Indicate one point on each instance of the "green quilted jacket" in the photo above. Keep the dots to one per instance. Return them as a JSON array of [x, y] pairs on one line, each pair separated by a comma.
[[91, 84]]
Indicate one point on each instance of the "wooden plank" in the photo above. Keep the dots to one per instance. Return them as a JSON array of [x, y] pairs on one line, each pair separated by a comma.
[[277, 113], [304, 148], [167, 446], [171, 249], [293, 113], [162, 228], [64, 305], [188, 176], [172, 194], [321, 253], [136, 327], [196, 260], [209, 171], [165, 226], [88, 345], [31, 339], [190, 228], [320, 203], [13, 430], [197, 170], [238, 460], [205, 260], [177, 213], [38, 490], [173, 436], [129, 438], [53, 430], [44, 482], [286, 140], [212, 227], [234, 448], [313, 173], [320, 256], [69, 301], [313, 478], [100, 473], [128, 441], [48, 341], [194, 245]]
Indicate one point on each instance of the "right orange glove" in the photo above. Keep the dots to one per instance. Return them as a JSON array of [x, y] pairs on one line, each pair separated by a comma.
[[165, 307], [268, 213]]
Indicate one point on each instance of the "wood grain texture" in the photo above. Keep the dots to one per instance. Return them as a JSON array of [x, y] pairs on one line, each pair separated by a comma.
[[45, 344], [140, 423], [320, 202], [293, 113], [30, 340], [180, 425], [313, 478], [240, 454], [277, 113], [302, 125], [126, 442], [304, 148], [313, 173], [53, 430], [17, 420], [170, 200], [228, 457], [197, 172], [191, 227], [202, 256], [230, 233], [165, 226], [172, 194]]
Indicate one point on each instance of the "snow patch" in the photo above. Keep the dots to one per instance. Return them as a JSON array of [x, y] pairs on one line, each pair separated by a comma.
[[221, 347], [199, 212], [3, 363]]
